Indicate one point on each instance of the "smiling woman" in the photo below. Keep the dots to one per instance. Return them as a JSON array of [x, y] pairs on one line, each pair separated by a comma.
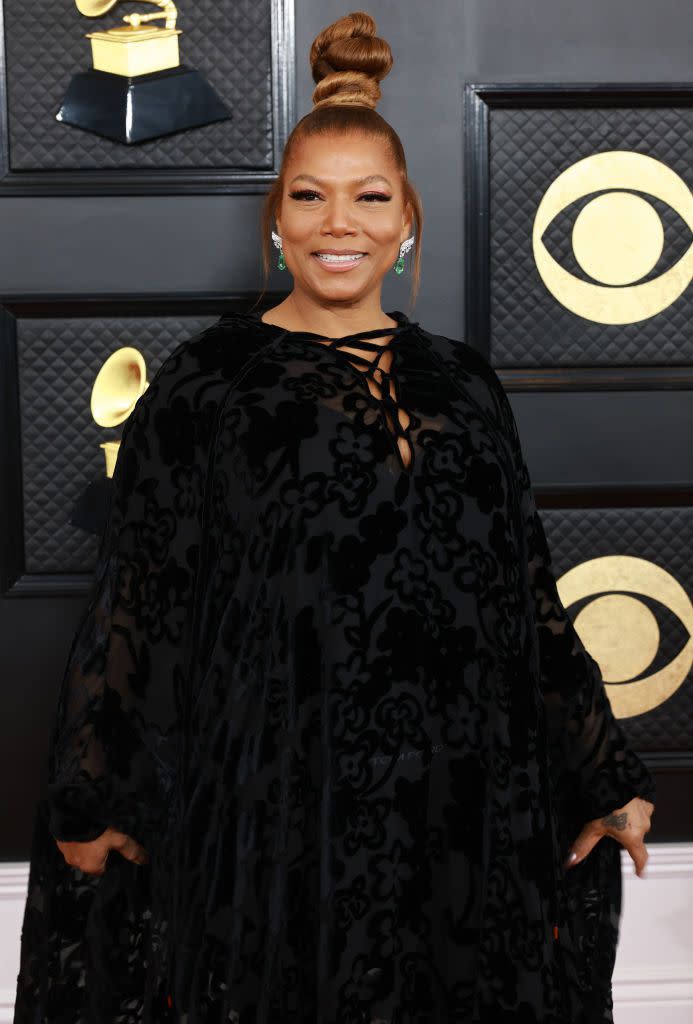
[[326, 732]]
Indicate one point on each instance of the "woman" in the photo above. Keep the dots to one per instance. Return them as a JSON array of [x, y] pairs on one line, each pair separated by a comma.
[[326, 733]]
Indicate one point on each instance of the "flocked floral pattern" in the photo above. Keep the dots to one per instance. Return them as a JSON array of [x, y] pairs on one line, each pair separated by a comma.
[[324, 676]]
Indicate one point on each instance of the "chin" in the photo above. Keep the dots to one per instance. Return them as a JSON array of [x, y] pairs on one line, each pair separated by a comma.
[[340, 294], [343, 284]]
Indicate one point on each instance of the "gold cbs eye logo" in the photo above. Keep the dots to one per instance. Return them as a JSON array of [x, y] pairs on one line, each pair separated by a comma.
[[620, 631], [617, 237]]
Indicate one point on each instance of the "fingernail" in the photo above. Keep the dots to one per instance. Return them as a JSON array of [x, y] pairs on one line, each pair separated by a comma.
[[570, 859]]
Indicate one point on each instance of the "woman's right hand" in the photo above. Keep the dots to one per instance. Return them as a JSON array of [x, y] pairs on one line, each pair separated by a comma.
[[91, 856]]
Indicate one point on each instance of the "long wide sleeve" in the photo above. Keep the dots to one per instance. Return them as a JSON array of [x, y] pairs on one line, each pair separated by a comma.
[[598, 771], [114, 745], [594, 769]]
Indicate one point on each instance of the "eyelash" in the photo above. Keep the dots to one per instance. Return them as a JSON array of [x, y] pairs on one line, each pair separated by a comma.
[[308, 192]]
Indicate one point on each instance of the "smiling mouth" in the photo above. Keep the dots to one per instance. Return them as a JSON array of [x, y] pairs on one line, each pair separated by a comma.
[[345, 258]]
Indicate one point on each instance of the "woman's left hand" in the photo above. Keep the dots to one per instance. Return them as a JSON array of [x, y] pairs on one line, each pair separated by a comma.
[[628, 824]]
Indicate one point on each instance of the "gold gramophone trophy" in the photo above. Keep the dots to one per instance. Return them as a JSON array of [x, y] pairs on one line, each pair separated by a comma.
[[117, 387], [137, 88]]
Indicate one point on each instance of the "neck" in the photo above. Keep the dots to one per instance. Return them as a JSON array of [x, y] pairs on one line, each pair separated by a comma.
[[299, 312]]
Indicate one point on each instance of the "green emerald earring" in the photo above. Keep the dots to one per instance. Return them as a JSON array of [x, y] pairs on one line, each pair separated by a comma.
[[281, 264], [403, 249]]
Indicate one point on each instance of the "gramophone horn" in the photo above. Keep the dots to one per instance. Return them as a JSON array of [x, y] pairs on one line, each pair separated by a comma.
[[94, 8], [119, 383]]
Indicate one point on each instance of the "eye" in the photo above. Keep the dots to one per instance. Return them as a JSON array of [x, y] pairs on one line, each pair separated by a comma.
[[620, 630], [617, 237], [370, 196]]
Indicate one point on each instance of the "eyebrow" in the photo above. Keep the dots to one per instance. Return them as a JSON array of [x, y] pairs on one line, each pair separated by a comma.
[[356, 181]]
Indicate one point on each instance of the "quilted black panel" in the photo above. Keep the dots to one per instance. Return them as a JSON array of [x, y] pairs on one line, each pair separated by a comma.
[[230, 43], [660, 535], [530, 147], [58, 360]]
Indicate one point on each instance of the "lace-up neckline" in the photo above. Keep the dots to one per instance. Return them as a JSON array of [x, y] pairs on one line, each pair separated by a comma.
[[381, 383], [359, 337]]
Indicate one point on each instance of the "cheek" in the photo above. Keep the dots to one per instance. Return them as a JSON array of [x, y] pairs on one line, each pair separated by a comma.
[[383, 255], [388, 242]]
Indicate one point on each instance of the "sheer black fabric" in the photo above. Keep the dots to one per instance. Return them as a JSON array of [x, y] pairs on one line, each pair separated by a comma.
[[325, 678]]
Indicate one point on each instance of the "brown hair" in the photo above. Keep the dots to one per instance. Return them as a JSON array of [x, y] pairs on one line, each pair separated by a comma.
[[348, 61]]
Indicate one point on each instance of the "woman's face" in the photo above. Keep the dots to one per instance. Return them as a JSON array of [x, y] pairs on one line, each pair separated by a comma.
[[327, 206]]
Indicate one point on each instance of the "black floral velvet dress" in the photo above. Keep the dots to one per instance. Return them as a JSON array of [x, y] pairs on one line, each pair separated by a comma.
[[325, 678]]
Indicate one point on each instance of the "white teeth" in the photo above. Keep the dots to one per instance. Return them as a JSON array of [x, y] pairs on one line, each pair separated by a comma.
[[330, 258]]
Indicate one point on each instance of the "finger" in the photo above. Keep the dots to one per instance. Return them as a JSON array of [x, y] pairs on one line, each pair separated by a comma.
[[639, 856], [132, 850], [582, 846]]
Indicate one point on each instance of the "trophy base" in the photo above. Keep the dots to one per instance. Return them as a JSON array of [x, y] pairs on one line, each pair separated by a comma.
[[140, 108], [90, 510]]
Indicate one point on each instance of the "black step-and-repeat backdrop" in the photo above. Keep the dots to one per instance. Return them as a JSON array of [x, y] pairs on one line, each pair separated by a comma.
[[577, 268], [579, 224]]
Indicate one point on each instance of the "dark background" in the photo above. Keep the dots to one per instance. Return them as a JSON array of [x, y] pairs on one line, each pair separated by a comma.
[[210, 244]]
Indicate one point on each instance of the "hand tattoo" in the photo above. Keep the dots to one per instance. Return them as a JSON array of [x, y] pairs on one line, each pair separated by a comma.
[[617, 821]]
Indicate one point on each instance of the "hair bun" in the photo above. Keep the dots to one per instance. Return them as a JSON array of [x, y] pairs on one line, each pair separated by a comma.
[[348, 60]]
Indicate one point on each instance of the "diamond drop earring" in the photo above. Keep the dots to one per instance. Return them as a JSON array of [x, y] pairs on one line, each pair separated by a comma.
[[403, 249], [278, 242]]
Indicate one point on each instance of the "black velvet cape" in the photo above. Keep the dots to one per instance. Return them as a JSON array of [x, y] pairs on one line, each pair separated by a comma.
[[325, 678]]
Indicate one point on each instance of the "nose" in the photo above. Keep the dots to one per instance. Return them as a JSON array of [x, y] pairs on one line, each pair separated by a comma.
[[338, 219]]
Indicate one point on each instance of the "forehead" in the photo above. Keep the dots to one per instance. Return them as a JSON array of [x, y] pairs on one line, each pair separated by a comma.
[[341, 159]]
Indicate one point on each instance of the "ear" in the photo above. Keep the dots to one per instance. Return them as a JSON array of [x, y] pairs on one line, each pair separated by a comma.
[[407, 221]]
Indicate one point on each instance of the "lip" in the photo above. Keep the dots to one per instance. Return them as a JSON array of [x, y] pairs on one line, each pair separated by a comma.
[[341, 267]]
